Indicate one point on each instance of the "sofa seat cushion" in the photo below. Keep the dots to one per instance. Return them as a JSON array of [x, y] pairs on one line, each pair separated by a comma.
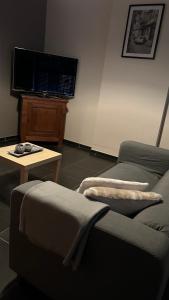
[[133, 172], [156, 217]]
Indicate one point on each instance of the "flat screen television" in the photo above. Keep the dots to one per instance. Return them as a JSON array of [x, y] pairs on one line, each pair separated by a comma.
[[44, 74]]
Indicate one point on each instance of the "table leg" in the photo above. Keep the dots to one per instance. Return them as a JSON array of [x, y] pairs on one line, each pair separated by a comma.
[[57, 164], [23, 175]]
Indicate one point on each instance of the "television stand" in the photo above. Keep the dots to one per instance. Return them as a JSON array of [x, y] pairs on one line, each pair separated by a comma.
[[42, 119]]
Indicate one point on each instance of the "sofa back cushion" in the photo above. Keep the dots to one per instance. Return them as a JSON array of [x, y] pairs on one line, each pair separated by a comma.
[[132, 172], [162, 187], [153, 158]]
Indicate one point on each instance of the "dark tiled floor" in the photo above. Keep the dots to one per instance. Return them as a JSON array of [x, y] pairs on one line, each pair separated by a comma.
[[6, 275], [4, 235], [4, 216], [77, 164]]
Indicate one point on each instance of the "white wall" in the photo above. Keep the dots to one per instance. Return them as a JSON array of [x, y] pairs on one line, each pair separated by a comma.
[[79, 29], [116, 98], [133, 91]]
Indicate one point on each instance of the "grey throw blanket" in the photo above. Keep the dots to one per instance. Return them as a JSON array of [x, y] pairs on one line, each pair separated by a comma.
[[58, 223]]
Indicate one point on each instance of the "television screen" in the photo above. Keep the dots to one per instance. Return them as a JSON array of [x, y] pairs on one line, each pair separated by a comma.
[[41, 73]]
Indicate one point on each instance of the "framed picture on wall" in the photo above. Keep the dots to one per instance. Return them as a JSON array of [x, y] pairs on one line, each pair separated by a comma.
[[142, 30]]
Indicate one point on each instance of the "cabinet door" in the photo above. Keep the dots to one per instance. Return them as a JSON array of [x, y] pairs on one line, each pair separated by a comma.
[[43, 120]]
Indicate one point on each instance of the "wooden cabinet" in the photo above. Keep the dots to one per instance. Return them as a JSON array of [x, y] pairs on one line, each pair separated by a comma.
[[42, 119]]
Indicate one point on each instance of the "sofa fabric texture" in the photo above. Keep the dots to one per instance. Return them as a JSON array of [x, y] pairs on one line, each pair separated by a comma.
[[132, 172], [154, 159], [125, 258], [158, 217]]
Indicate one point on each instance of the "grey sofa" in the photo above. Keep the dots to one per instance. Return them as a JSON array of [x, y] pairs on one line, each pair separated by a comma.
[[125, 258]]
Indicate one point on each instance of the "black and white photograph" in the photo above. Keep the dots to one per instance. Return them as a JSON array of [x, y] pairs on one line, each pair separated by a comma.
[[142, 30]]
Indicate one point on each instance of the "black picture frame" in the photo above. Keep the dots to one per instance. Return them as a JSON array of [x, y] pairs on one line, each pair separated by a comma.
[[142, 30]]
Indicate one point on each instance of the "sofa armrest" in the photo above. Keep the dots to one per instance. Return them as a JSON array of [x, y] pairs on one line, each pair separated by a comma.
[[151, 157], [16, 199]]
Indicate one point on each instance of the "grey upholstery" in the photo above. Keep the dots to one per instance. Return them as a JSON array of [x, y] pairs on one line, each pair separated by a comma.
[[133, 172], [154, 159], [157, 216], [124, 258], [162, 187]]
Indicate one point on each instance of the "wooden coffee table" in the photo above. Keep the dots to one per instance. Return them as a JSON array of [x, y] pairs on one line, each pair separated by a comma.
[[27, 162]]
